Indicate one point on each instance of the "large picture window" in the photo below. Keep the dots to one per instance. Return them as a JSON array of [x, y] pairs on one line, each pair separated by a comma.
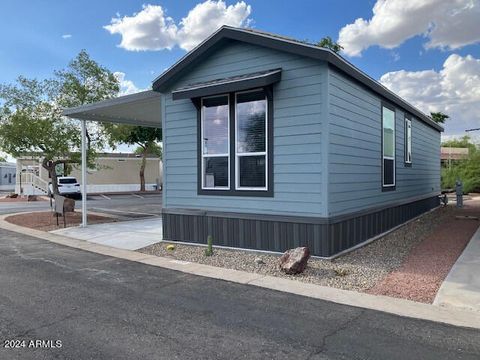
[[215, 143], [235, 144], [408, 141], [388, 151], [251, 140]]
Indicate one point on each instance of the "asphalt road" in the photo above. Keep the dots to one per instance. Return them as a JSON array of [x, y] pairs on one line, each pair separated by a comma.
[[105, 308], [123, 205]]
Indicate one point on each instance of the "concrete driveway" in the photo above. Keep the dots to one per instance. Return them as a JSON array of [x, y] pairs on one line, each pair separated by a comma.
[[130, 235]]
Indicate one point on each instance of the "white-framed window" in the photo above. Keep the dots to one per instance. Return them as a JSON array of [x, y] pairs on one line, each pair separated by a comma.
[[215, 142], [251, 140], [408, 141], [388, 147]]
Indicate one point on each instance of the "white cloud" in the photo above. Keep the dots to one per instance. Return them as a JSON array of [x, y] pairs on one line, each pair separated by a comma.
[[447, 24], [454, 90], [207, 17], [151, 29], [127, 87], [66, 36]]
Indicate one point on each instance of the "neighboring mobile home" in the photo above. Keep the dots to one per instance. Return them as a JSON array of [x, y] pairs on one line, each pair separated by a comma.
[[271, 143], [7, 176], [113, 172]]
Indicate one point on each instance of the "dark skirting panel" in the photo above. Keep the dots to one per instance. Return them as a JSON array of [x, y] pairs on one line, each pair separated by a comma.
[[324, 237]]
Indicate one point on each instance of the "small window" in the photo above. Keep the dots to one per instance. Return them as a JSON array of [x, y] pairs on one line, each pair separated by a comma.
[[215, 143], [251, 141], [388, 151], [408, 141]]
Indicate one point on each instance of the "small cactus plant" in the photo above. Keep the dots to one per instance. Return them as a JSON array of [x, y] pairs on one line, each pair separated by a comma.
[[170, 247], [209, 249]]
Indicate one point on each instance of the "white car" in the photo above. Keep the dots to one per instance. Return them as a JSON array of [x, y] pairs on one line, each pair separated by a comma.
[[68, 186]]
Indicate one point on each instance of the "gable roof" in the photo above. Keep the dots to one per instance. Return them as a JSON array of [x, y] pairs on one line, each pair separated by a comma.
[[286, 44]]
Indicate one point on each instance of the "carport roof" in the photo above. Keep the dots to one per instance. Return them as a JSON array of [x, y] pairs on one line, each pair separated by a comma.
[[141, 109]]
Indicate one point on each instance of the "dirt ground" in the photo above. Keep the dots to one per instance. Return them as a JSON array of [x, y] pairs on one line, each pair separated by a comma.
[[47, 221], [22, 199]]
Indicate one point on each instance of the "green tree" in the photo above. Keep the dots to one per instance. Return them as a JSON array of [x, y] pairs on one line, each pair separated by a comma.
[[328, 43], [84, 81], [31, 120], [146, 138], [439, 117], [2, 159], [468, 170], [31, 123]]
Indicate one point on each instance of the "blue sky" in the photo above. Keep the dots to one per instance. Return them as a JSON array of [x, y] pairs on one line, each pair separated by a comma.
[[425, 50]]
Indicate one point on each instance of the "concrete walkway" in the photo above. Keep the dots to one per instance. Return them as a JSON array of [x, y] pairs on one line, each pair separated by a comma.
[[129, 235], [461, 288]]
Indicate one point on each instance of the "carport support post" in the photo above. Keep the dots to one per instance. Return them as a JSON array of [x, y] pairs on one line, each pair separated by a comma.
[[84, 173]]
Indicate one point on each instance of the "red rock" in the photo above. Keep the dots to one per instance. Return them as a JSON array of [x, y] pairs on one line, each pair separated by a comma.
[[294, 261]]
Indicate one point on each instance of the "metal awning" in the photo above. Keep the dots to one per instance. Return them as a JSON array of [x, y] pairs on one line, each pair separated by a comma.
[[229, 84], [141, 109]]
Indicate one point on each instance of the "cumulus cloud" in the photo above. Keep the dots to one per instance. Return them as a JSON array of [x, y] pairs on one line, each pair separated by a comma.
[[127, 87], [66, 36], [446, 24], [152, 29], [454, 90]]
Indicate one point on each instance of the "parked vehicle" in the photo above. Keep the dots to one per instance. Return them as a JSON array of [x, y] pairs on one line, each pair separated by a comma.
[[68, 186]]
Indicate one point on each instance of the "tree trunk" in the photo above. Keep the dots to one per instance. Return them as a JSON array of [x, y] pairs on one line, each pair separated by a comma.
[[142, 169], [52, 172]]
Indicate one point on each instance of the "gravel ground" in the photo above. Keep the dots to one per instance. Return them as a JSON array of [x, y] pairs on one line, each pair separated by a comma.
[[358, 270], [429, 262], [46, 221]]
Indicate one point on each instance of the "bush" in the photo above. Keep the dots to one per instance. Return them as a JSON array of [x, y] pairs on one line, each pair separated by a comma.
[[468, 171], [209, 249]]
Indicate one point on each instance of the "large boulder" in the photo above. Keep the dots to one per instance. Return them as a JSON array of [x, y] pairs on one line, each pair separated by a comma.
[[294, 261]]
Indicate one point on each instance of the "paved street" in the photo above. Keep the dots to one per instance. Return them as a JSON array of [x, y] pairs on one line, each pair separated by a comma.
[[105, 308], [131, 206]]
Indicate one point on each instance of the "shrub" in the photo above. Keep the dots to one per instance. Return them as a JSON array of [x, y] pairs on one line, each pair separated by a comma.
[[209, 249], [468, 170]]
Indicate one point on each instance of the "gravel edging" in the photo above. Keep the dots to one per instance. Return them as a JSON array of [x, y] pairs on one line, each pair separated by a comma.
[[358, 270]]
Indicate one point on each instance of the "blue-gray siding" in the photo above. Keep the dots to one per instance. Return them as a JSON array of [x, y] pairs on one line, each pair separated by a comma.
[[299, 107], [327, 141], [355, 151]]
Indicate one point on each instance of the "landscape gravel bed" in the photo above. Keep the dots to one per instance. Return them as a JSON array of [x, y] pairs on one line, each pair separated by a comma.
[[358, 270]]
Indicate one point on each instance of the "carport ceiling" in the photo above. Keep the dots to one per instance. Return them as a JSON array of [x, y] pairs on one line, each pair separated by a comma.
[[141, 109]]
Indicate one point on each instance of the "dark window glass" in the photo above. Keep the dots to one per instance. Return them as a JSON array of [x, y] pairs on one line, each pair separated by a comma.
[[251, 112], [216, 172], [388, 171], [252, 171], [67, 181]]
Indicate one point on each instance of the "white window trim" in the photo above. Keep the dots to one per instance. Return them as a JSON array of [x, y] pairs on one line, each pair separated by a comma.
[[214, 155], [261, 153], [394, 148], [408, 142]]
